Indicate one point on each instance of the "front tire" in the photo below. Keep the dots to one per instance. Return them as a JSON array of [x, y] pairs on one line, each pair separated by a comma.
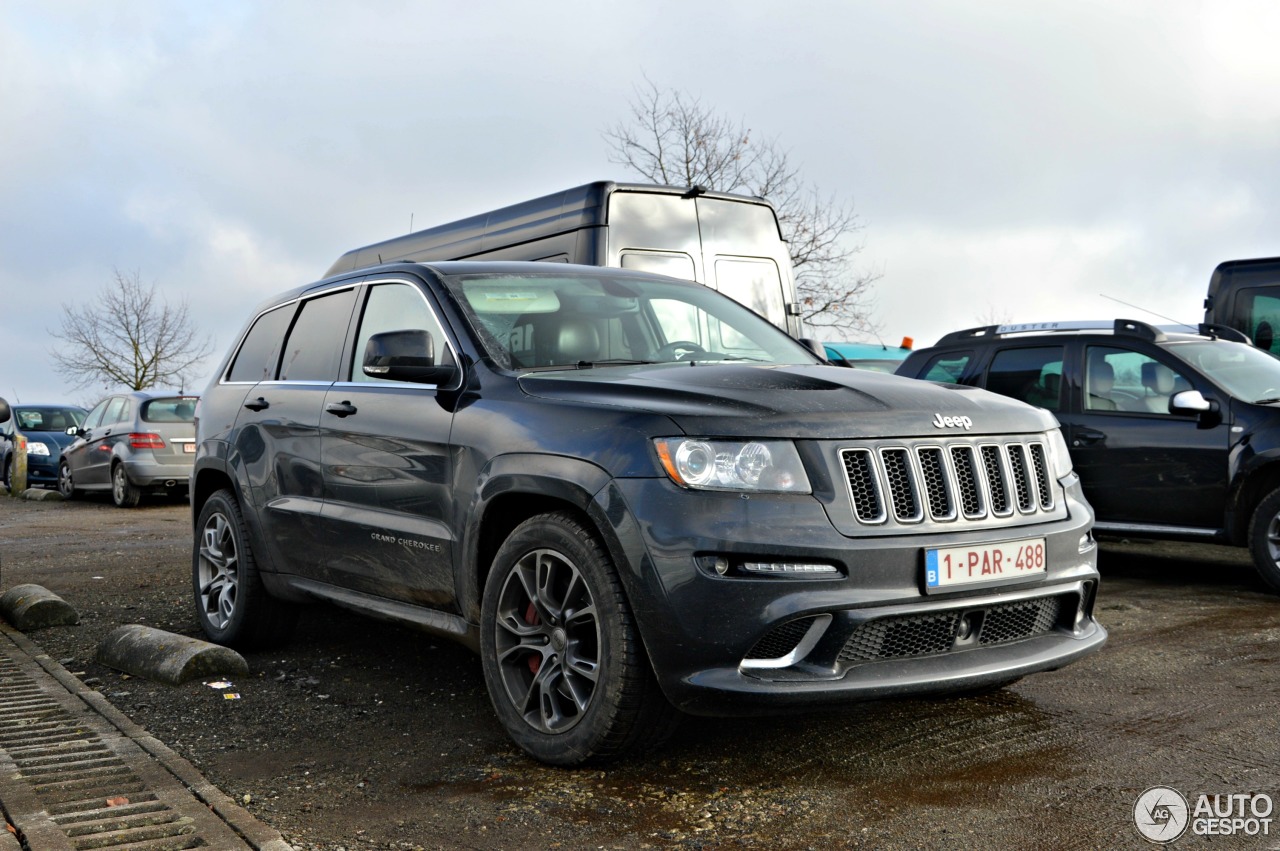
[[66, 485], [232, 604], [563, 661], [124, 493], [1264, 539]]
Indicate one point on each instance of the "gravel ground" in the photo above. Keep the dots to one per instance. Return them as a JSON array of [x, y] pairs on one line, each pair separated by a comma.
[[364, 735]]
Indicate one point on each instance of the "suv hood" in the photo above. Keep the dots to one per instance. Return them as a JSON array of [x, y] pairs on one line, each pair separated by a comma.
[[821, 402]]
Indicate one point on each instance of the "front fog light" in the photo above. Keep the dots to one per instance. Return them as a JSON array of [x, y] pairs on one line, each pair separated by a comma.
[[802, 570]]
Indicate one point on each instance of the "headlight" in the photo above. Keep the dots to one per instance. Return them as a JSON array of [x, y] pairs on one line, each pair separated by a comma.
[[763, 466], [1059, 457], [34, 448]]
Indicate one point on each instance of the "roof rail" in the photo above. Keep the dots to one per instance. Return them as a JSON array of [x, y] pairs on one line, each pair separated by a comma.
[[1135, 328], [1126, 327], [1224, 332]]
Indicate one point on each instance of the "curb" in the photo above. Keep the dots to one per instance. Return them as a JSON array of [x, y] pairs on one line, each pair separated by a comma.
[[167, 657], [30, 607], [255, 833]]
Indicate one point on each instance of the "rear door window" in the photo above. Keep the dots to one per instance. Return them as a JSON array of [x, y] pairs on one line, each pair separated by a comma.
[[313, 349], [1032, 375], [116, 411], [755, 283], [671, 263], [1261, 309]]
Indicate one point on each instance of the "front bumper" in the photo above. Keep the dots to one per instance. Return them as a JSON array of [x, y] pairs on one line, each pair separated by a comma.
[[736, 645]]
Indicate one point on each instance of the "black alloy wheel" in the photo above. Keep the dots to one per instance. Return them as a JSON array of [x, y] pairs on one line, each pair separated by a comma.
[[563, 660]]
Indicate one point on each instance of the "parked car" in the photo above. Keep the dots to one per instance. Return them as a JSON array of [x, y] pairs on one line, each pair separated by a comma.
[[131, 444], [45, 428], [629, 493], [1245, 295], [875, 356], [1175, 434]]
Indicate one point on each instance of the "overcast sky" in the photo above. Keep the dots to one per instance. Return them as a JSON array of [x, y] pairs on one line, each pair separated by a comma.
[[1009, 160]]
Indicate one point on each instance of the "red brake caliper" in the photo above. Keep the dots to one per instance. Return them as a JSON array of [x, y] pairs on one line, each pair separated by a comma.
[[531, 618]]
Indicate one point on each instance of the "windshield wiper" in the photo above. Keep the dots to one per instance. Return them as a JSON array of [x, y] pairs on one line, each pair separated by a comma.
[[1270, 400], [588, 364]]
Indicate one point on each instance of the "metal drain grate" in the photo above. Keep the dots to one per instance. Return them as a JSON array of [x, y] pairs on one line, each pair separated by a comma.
[[73, 774]]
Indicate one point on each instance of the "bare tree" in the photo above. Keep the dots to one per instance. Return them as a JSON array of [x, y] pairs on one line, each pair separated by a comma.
[[674, 139], [128, 336]]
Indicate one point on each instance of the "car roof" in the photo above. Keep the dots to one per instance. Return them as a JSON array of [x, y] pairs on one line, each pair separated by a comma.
[[462, 267]]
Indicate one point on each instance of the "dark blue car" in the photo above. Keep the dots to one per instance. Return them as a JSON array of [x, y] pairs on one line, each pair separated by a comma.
[[45, 428]]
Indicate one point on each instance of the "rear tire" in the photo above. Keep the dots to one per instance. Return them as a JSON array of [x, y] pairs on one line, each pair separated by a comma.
[[4, 475], [232, 604], [124, 493], [1264, 539], [566, 670]]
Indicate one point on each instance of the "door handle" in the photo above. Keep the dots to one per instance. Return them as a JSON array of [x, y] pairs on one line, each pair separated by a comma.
[[259, 404], [340, 409], [1087, 437]]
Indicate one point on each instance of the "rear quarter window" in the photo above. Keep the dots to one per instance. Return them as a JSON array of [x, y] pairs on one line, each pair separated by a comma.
[[946, 367], [260, 353]]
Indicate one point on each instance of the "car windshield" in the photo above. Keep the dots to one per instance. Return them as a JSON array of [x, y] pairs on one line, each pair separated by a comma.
[[557, 321], [1243, 371], [48, 417]]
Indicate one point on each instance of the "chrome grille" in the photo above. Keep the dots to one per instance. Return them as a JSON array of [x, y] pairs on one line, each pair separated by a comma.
[[948, 481]]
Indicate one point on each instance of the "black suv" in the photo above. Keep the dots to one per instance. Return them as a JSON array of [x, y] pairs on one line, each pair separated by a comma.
[[1174, 434], [594, 476]]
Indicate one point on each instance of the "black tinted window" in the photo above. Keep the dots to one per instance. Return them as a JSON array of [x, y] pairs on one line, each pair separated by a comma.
[[395, 307], [176, 409], [1033, 375], [314, 347], [947, 367], [260, 352]]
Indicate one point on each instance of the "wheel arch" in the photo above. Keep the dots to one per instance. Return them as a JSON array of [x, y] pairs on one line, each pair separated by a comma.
[[511, 490], [1260, 478]]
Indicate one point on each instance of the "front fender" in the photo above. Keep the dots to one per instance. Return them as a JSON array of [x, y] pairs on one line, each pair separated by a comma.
[[512, 488]]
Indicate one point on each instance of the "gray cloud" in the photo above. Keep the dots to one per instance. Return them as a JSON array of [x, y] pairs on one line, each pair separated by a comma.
[[1011, 156]]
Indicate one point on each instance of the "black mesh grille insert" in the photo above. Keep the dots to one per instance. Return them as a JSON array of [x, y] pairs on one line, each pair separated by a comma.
[[1012, 621], [935, 483], [781, 640], [967, 479], [995, 480], [1021, 482], [862, 484], [893, 638], [911, 636], [897, 468], [1042, 476]]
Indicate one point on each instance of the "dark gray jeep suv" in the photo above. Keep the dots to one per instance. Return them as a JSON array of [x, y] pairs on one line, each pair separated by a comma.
[[631, 495]]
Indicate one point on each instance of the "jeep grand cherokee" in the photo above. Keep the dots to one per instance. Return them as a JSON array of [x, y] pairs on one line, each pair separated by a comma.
[[631, 495]]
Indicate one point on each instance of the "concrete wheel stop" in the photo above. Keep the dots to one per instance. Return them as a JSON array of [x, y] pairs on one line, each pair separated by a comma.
[[166, 657], [28, 607]]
